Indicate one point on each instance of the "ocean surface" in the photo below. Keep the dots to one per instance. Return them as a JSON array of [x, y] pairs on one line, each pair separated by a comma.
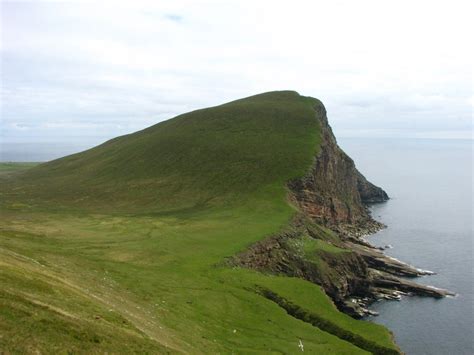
[[430, 226], [38, 152]]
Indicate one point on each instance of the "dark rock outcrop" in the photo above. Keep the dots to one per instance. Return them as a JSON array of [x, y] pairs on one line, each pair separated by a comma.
[[340, 274], [369, 193]]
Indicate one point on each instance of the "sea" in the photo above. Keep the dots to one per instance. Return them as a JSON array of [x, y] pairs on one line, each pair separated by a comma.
[[429, 220]]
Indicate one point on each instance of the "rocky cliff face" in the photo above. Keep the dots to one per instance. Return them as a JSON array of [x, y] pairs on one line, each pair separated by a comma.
[[332, 199], [334, 192]]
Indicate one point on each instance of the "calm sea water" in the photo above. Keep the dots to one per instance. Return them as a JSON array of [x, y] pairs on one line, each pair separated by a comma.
[[38, 152], [430, 225]]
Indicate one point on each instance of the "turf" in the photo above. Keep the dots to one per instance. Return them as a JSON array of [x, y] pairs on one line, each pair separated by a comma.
[[122, 248]]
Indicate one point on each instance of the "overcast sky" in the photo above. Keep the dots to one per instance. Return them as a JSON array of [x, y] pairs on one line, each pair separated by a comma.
[[79, 71]]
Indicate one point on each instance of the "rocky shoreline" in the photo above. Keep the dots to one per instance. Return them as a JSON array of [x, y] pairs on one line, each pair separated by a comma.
[[388, 280], [354, 279]]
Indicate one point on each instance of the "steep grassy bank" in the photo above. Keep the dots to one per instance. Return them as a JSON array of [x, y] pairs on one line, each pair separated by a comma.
[[122, 248]]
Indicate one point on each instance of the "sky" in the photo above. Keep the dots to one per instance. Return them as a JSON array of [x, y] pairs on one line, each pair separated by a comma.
[[87, 71]]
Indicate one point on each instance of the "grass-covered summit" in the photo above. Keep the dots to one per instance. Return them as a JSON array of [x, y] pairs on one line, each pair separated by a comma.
[[124, 248]]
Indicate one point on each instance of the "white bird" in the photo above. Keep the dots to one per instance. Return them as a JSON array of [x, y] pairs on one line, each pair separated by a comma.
[[301, 346]]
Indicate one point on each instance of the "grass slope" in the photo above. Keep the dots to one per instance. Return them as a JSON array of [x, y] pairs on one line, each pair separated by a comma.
[[121, 248]]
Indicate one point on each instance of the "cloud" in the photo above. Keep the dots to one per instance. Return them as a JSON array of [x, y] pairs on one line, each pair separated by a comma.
[[92, 70]]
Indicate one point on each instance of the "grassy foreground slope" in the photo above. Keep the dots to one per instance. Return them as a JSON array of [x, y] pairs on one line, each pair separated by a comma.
[[122, 248]]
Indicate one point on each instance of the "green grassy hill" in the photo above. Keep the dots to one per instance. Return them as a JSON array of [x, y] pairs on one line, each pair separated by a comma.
[[122, 248], [211, 157]]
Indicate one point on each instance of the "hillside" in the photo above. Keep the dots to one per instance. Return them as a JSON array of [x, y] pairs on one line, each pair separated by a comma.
[[220, 230], [211, 156]]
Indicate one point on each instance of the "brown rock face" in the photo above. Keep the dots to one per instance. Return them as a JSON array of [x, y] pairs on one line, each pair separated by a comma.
[[334, 192]]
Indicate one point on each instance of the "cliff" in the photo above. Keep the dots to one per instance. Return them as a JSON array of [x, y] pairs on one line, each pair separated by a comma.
[[324, 242], [333, 192]]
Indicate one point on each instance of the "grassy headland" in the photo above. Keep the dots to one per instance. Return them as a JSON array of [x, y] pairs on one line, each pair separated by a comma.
[[121, 248]]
